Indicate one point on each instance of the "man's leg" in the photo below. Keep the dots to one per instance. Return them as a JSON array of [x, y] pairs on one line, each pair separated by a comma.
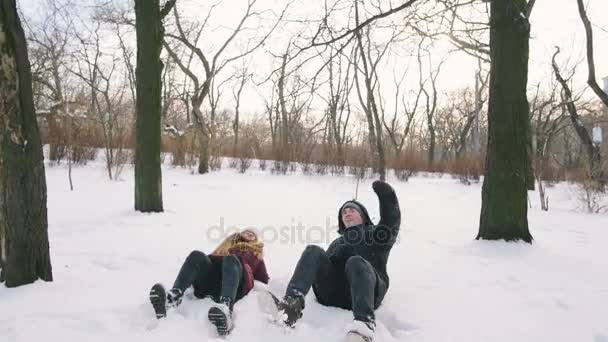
[[331, 286], [313, 263], [313, 260], [362, 280], [380, 292]]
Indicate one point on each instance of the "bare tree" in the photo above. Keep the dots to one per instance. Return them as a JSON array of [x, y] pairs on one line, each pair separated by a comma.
[[456, 121], [48, 40], [338, 111], [592, 151], [548, 116], [272, 114], [102, 75], [430, 100], [396, 130], [212, 66], [367, 56], [481, 86], [243, 77]]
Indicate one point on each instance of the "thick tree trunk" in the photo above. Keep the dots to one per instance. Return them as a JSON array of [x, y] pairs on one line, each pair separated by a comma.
[[504, 208], [148, 178], [24, 243]]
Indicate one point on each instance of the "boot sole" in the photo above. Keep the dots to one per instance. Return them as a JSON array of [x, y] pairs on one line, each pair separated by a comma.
[[158, 298], [219, 319]]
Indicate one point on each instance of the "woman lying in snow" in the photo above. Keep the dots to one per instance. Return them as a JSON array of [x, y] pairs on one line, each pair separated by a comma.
[[226, 275]]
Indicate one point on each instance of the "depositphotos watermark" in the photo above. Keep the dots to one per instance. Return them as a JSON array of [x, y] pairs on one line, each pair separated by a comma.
[[300, 233]]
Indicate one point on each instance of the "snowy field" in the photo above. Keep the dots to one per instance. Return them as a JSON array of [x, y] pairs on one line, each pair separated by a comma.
[[445, 286]]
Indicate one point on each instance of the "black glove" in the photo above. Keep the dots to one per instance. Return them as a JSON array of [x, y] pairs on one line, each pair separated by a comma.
[[381, 188]]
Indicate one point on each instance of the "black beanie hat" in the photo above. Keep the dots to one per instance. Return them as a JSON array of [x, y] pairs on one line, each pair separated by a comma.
[[357, 206]]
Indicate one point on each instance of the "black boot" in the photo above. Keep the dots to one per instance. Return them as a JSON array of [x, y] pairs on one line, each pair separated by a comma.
[[291, 307], [220, 315], [286, 311], [158, 298]]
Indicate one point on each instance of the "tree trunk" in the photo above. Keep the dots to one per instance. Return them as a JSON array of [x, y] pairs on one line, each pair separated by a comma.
[[379, 143], [179, 154], [235, 128], [462, 138], [148, 178], [432, 141], [285, 148], [54, 141], [203, 155], [24, 243], [504, 208]]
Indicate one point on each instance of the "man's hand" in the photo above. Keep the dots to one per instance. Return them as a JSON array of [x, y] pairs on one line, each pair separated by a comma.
[[381, 188]]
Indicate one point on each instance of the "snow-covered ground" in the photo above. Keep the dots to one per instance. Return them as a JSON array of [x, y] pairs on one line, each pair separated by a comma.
[[445, 286]]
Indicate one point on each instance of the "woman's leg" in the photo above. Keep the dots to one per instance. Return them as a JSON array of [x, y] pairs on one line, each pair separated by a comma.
[[195, 267], [220, 314], [232, 275]]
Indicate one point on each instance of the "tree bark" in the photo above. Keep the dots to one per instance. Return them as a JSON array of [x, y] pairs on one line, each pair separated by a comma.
[[148, 177], [24, 243], [504, 193]]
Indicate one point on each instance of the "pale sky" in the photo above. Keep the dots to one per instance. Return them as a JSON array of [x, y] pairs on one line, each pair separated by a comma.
[[554, 22]]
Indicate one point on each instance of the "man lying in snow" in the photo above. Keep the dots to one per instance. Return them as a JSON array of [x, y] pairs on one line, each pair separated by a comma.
[[351, 274]]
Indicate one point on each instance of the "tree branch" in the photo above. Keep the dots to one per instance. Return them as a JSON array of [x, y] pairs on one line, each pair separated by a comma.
[[590, 61], [166, 9], [361, 25]]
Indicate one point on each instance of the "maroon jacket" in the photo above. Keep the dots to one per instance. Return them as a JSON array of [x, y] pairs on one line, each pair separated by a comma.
[[253, 269]]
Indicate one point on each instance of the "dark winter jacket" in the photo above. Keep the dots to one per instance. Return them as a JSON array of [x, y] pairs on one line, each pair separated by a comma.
[[372, 242]]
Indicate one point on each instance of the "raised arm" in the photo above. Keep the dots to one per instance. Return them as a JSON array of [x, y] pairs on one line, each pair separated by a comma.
[[390, 214]]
